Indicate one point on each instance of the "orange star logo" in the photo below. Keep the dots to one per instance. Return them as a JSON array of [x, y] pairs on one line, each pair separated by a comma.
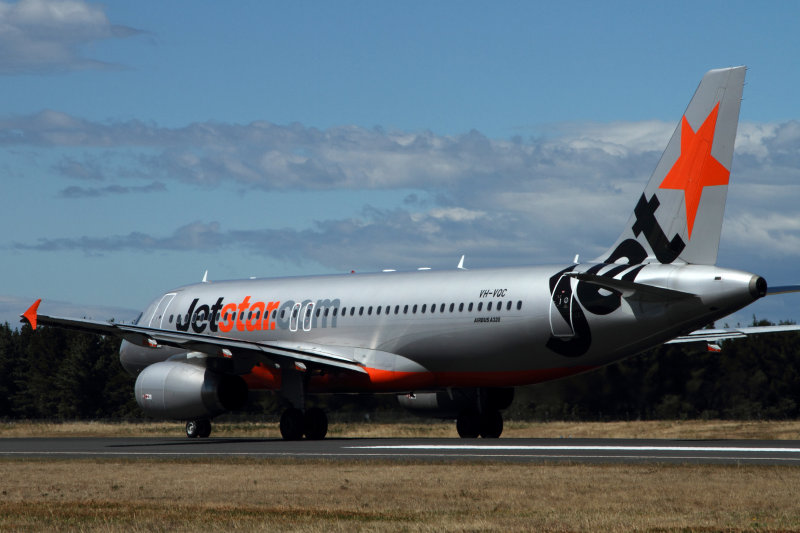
[[696, 168]]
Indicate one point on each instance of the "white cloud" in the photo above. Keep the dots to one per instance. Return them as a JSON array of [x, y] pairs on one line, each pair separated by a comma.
[[617, 138], [94, 192], [557, 196], [45, 35]]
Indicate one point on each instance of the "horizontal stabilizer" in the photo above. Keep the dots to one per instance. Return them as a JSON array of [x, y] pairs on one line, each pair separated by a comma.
[[783, 289], [714, 335]]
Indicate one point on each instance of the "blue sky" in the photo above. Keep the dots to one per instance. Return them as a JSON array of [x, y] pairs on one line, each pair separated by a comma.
[[142, 144]]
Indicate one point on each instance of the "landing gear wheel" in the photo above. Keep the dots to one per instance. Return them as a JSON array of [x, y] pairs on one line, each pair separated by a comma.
[[491, 424], [198, 428], [205, 429], [315, 424], [292, 424], [468, 424], [191, 429]]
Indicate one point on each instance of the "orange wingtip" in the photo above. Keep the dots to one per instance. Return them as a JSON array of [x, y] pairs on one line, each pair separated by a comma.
[[30, 314]]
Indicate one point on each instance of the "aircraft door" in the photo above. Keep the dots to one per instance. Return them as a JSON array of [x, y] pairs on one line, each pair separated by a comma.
[[561, 302], [294, 318], [308, 316], [161, 310]]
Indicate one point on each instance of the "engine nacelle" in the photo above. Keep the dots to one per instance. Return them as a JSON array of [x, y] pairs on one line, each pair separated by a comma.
[[184, 391], [449, 403]]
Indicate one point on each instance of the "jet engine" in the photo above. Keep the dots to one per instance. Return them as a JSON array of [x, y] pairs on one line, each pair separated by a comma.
[[450, 403], [185, 391]]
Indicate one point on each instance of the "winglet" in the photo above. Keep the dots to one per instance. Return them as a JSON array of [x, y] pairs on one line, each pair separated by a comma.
[[30, 314]]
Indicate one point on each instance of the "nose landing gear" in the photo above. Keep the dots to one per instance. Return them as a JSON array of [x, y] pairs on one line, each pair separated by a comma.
[[198, 428]]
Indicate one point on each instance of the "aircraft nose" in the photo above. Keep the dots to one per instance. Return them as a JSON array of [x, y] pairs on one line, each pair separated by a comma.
[[758, 287]]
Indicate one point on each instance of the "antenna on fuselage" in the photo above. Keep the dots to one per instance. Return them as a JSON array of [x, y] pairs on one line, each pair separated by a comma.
[[205, 277], [461, 263], [576, 259]]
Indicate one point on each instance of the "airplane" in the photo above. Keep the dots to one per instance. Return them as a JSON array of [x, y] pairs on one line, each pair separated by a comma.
[[455, 343]]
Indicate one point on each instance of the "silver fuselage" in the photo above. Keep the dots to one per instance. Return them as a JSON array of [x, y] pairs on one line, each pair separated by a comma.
[[437, 329]]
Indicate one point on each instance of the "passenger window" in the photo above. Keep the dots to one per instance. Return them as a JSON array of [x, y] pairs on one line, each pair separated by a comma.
[[378, 310], [508, 306], [352, 311], [461, 308], [470, 307], [452, 306], [361, 311], [489, 306], [519, 305], [499, 306], [441, 309], [396, 309], [369, 311], [414, 309], [405, 309], [424, 306], [170, 318]]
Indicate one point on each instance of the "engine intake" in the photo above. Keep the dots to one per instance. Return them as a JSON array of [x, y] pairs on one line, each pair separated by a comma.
[[183, 391]]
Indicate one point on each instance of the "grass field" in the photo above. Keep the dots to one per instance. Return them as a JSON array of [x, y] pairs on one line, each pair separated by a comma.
[[376, 495], [282, 495], [656, 429]]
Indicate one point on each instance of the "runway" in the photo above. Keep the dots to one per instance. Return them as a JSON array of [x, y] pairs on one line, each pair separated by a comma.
[[633, 451]]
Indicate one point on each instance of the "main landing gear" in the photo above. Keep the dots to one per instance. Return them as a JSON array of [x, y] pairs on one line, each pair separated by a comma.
[[471, 424], [295, 423], [198, 428]]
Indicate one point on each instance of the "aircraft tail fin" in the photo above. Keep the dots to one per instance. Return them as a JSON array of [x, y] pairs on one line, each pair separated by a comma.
[[678, 217]]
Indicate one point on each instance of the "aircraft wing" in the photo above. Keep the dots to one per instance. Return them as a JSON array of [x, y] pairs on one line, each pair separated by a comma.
[[283, 353]]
